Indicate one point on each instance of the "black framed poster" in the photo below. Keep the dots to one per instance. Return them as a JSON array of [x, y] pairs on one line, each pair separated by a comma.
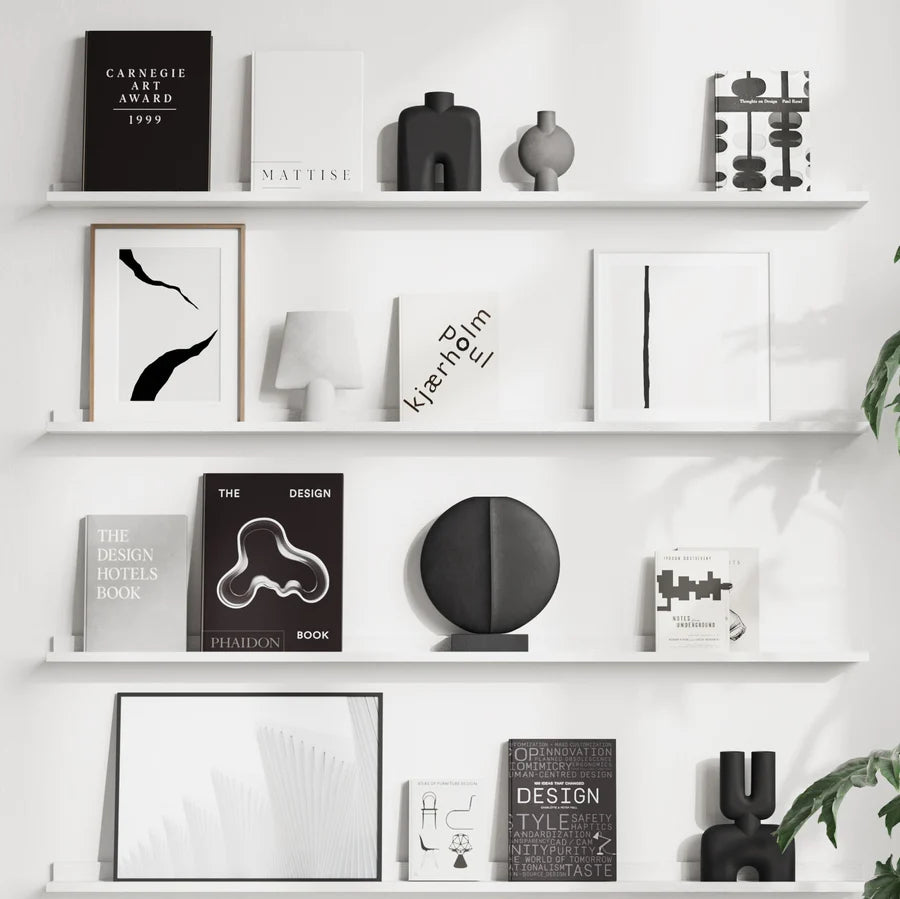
[[272, 562], [248, 786], [147, 110], [562, 810]]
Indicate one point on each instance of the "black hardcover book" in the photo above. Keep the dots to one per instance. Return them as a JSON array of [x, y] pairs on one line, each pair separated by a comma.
[[272, 562], [562, 810], [147, 110]]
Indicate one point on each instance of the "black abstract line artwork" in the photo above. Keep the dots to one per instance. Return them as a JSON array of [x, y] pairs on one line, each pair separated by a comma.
[[127, 256], [154, 377], [646, 336]]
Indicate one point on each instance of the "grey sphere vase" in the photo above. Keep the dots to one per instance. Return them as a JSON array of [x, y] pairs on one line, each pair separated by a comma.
[[546, 151]]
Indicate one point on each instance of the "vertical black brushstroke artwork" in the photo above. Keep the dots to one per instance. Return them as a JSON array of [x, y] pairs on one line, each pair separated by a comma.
[[154, 377], [127, 256], [646, 336]]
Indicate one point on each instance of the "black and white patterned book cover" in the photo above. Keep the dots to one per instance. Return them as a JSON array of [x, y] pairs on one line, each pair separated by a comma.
[[562, 810], [762, 130], [272, 562], [147, 110]]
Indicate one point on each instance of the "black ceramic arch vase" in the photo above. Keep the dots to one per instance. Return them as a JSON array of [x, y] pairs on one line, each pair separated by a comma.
[[489, 564], [439, 133], [747, 843]]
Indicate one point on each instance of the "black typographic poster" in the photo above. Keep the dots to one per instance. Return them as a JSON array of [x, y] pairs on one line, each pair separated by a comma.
[[562, 810], [147, 110]]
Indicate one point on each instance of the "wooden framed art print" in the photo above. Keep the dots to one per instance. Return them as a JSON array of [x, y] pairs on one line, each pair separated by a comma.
[[167, 315]]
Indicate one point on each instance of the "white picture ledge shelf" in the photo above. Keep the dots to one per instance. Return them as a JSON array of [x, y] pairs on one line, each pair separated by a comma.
[[423, 888], [63, 651], [235, 197], [586, 428]]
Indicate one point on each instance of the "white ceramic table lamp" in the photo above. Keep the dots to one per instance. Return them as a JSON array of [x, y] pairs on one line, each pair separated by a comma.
[[319, 352]]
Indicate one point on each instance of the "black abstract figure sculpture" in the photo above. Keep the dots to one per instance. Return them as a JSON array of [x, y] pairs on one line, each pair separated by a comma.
[[726, 848], [439, 133], [490, 564]]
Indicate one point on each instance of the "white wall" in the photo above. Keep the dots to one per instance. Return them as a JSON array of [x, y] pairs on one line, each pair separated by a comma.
[[629, 80]]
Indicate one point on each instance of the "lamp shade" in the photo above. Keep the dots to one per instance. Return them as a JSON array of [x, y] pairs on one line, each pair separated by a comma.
[[318, 345]]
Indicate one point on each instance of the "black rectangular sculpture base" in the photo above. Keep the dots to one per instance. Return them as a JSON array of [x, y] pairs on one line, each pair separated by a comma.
[[488, 642]]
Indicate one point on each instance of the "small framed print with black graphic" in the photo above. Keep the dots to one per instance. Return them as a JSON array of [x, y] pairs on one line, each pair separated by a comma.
[[167, 313]]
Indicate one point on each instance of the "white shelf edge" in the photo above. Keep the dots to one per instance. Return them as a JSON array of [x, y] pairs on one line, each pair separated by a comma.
[[818, 657], [743, 888], [598, 428], [235, 197]]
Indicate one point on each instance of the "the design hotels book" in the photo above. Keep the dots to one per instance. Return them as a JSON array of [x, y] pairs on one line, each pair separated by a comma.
[[762, 130], [135, 583], [147, 110], [449, 836], [307, 113], [692, 604], [272, 562], [562, 810]]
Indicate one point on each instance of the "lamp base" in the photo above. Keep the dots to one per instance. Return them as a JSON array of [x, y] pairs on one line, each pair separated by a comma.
[[319, 405], [488, 642]]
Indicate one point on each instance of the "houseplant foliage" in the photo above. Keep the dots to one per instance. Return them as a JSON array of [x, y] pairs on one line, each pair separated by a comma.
[[880, 380], [825, 797]]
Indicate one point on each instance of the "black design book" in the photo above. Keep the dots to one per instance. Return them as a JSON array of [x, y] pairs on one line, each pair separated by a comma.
[[762, 130], [147, 110], [562, 810], [272, 562]]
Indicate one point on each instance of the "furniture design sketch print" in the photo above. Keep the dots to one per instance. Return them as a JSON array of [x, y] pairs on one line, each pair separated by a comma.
[[726, 848], [234, 600], [151, 368], [761, 127], [248, 787], [653, 312], [448, 831]]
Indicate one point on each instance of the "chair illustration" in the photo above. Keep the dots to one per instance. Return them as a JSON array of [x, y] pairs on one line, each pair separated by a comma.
[[459, 812], [429, 807], [430, 852]]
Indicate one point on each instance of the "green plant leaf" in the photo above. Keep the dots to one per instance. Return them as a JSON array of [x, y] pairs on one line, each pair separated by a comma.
[[880, 380], [891, 814], [827, 793], [897, 254], [886, 882]]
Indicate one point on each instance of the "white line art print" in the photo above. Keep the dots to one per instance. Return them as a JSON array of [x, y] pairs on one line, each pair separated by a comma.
[[229, 597]]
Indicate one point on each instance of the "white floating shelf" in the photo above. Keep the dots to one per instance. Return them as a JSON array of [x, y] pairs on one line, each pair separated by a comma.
[[237, 198], [808, 657], [420, 888], [837, 427]]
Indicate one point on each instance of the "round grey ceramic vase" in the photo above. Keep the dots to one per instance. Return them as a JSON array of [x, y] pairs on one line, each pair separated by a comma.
[[546, 151]]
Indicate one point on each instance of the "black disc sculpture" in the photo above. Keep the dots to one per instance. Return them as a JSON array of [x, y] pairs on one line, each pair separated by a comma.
[[726, 848], [490, 564]]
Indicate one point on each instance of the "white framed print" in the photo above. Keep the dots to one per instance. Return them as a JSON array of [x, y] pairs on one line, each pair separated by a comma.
[[248, 786], [681, 336], [167, 315]]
